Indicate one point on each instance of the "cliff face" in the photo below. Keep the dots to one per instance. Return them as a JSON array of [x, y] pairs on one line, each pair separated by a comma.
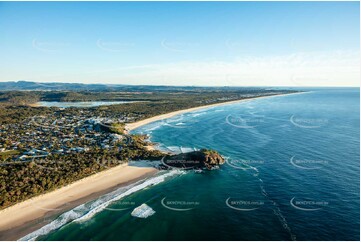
[[195, 159]]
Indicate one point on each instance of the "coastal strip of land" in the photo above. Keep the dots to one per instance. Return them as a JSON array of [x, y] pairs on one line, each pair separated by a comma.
[[135, 125], [25, 217]]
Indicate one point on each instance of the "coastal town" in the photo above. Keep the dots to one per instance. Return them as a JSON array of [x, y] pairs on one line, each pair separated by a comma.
[[60, 133], [31, 132]]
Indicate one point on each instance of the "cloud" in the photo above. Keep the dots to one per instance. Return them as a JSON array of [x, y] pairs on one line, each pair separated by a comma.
[[337, 68]]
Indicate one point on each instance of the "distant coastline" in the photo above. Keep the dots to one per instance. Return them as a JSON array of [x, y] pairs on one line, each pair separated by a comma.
[[21, 219], [135, 125]]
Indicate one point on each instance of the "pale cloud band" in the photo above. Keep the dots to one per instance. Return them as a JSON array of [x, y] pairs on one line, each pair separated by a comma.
[[338, 68]]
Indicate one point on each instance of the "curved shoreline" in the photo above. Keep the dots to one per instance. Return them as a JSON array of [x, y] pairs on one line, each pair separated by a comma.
[[27, 216], [23, 218], [135, 125]]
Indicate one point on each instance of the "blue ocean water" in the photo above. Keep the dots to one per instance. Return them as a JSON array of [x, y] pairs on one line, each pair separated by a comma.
[[292, 173]]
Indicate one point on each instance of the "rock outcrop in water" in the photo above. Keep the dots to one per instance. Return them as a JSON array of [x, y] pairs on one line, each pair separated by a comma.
[[204, 158]]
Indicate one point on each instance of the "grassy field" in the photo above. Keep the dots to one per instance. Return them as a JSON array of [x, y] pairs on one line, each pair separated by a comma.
[[8, 153]]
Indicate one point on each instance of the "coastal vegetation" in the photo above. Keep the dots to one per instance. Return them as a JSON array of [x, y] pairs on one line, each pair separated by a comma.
[[18, 105], [45, 148], [21, 180], [118, 128]]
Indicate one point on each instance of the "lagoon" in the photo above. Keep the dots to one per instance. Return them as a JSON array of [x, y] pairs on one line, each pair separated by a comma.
[[80, 104]]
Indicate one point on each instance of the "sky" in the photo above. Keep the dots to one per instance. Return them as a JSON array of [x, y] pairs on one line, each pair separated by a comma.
[[182, 43]]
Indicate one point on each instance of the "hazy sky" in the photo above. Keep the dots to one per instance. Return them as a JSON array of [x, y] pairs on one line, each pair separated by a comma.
[[184, 43]]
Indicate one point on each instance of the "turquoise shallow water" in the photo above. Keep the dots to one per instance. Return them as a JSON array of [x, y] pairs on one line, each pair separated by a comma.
[[292, 172]]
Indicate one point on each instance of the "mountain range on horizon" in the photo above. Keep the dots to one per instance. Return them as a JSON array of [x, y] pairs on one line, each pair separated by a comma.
[[60, 86]]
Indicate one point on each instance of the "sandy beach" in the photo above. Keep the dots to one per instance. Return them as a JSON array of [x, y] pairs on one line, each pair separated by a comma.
[[25, 217], [21, 219], [132, 126]]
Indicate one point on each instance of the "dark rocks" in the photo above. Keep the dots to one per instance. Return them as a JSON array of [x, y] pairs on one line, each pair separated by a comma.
[[204, 158]]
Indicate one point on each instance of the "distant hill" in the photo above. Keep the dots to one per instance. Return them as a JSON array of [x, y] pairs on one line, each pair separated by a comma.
[[53, 86], [56, 86]]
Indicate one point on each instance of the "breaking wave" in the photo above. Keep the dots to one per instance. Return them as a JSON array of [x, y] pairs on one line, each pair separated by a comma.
[[86, 211]]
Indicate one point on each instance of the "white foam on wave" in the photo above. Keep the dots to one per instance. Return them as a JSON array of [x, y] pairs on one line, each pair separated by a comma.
[[152, 127], [193, 115], [186, 149], [143, 211], [57, 223], [153, 181], [86, 211], [175, 119], [175, 149]]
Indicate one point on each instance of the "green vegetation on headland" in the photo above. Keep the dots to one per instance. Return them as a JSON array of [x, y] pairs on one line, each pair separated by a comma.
[[194, 160], [44, 148], [117, 128]]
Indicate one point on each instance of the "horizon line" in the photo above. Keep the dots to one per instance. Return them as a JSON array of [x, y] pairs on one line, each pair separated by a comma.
[[126, 84]]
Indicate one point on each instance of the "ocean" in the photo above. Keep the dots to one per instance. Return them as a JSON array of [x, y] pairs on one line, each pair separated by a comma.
[[292, 173]]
